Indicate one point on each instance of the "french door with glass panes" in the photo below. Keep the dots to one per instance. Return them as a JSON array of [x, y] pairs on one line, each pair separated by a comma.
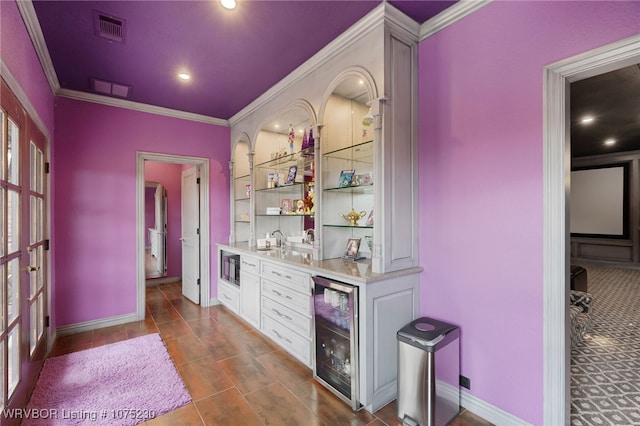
[[23, 289]]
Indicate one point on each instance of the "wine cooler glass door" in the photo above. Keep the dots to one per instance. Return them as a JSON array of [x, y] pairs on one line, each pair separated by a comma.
[[336, 345]]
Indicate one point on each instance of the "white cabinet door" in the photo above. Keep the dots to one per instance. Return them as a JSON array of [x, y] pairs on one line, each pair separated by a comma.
[[250, 298], [229, 296]]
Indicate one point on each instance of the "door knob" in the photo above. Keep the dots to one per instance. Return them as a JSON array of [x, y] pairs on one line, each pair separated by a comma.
[[31, 268]]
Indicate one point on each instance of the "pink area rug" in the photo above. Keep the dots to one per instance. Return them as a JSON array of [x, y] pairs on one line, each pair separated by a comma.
[[123, 383]]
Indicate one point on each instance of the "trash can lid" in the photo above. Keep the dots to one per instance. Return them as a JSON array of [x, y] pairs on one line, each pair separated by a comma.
[[425, 332]]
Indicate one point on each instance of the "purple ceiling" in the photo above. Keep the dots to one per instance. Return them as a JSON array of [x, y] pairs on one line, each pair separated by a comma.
[[233, 56]]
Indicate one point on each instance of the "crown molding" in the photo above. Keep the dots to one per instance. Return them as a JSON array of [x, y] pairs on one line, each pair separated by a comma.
[[15, 87], [401, 23], [137, 106], [32, 24], [358, 30], [449, 16]]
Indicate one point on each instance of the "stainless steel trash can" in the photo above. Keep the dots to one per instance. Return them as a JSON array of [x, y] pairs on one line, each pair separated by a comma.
[[428, 372]]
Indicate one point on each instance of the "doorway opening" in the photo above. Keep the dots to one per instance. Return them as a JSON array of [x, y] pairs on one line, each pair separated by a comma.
[[556, 240], [202, 265]]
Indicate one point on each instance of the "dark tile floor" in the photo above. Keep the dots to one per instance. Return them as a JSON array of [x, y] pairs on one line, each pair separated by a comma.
[[234, 374]]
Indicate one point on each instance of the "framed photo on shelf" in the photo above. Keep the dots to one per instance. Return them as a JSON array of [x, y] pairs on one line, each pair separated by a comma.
[[362, 179], [369, 221], [352, 249], [286, 206], [345, 178], [291, 176]]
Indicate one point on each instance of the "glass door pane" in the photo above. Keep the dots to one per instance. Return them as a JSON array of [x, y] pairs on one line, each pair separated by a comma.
[[36, 265]]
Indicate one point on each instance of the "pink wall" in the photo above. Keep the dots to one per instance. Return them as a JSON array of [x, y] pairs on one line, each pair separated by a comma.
[[170, 176], [481, 181], [94, 160], [18, 54]]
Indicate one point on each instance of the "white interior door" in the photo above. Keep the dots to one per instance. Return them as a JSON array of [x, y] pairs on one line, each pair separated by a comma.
[[190, 212]]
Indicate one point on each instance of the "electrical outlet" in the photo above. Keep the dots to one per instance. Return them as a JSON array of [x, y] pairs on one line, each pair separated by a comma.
[[465, 382]]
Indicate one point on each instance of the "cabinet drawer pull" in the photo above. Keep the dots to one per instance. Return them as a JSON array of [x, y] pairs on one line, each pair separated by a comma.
[[226, 297], [276, 292], [287, 276], [280, 337], [282, 315]]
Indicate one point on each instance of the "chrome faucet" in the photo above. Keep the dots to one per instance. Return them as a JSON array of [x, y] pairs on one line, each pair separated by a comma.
[[278, 240], [310, 235]]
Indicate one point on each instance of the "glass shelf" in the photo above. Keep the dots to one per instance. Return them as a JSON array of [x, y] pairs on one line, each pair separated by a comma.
[[349, 226], [242, 199], [282, 188], [288, 159], [361, 152], [366, 189], [286, 215], [243, 221], [242, 177]]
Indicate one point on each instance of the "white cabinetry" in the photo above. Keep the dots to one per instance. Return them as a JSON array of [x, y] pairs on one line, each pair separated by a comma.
[[286, 309], [229, 295], [250, 290]]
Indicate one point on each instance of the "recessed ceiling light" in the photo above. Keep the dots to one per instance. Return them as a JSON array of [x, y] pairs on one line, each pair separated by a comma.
[[228, 4], [277, 126], [610, 141], [587, 119], [184, 76]]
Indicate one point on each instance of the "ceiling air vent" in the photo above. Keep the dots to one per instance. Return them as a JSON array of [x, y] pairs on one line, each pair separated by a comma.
[[108, 26], [110, 88]]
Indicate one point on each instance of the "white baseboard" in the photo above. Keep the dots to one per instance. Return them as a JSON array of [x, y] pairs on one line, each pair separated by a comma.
[[489, 412], [66, 330], [214, 301]]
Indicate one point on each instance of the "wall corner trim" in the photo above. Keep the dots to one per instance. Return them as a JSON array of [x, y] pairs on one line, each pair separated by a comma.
[[450, 16], [32, 24]]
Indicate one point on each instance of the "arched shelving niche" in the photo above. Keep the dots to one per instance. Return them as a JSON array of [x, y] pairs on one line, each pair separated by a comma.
[[284, 172], [241, 190], [349, 127]]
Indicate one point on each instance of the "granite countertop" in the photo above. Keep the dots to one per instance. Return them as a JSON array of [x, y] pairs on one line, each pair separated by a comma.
[[358, 272]]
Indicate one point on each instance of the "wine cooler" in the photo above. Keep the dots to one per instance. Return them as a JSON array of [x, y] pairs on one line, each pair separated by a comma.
[[335, 364]]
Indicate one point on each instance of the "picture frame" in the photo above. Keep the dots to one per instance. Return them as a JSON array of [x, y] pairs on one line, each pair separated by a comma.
[[352, 249], [362, 179], [345, 178], [369, 221], [291, 176], [286, 206]]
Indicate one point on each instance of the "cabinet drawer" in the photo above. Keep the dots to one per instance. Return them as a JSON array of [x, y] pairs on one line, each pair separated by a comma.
[[291, 319], [296, 345], [229, 296], [250, 264], [294, 300], [295, 280]]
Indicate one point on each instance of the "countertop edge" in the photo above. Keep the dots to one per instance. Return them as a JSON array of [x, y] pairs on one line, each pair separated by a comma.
[[324, 267]]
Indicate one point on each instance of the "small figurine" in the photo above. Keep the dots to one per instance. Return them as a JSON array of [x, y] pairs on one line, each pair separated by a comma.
[[292, 137]]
